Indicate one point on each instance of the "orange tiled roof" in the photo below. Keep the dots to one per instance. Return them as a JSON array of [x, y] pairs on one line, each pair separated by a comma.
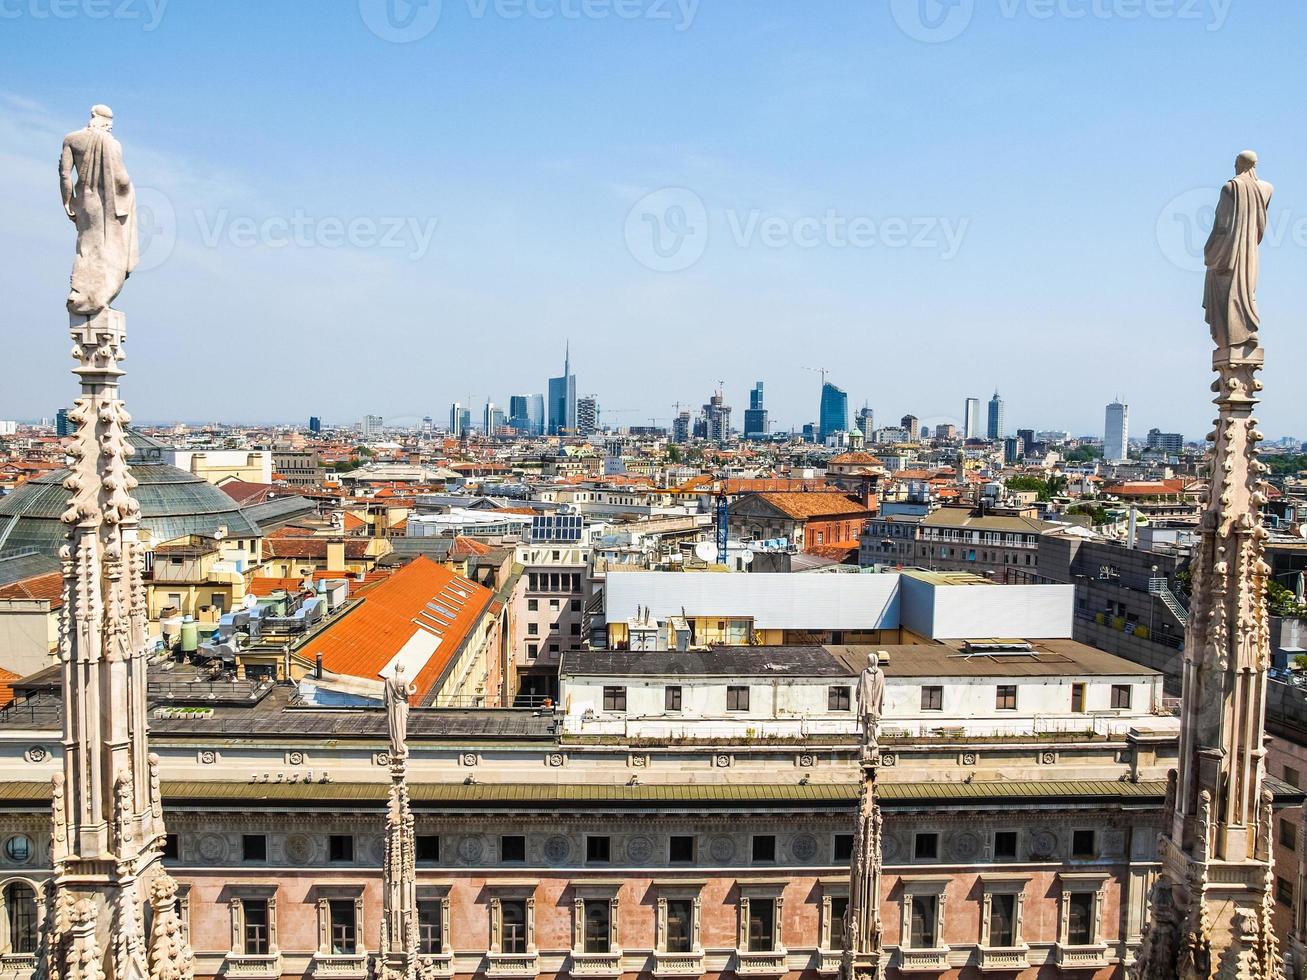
[[365, 640], [7, 678], [802, 506], [48, 587], [1145, 488], [855, 459], [465, 547], [246, 494], [835, 552], [356, 549], [353, 522]]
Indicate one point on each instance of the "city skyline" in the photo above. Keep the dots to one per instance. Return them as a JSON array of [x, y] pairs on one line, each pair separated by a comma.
[[1069, 250]]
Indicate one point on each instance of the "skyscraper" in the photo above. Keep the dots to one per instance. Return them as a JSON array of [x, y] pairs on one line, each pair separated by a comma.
[[971, 419], [681, 429], [834, 414], [995, 430], [1116, 433], [866, 423], [518, 413], [562, 398], [315, 425], [756, 425], [1027, 439], [535, 412], [913, 426], [372, 426], [587, 416], [717, 419], [492, 419], [456, 420], [62, 427]]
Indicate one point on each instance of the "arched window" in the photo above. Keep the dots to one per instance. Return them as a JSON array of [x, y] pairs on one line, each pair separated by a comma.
[[20, 915]]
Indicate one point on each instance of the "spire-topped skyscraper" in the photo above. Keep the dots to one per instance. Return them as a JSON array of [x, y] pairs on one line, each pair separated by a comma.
[[562, 398]]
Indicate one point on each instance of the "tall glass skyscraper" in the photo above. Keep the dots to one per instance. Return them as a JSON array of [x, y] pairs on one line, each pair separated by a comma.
[[562, 398], [995, 430], [834, 415], [535, 413], [518, 417], [755, 416]]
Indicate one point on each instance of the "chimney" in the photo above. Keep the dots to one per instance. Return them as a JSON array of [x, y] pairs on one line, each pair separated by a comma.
[[317, 665]]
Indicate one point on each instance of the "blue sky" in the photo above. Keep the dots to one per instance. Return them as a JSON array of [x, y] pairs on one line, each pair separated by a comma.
[[690, 191]]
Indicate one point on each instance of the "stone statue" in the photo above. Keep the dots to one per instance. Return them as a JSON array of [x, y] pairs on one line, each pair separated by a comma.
[[102, 203], [398, 690], [1233, 262], [871, 697]]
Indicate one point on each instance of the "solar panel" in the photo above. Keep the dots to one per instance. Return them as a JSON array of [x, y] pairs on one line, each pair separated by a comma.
[[557, 527]]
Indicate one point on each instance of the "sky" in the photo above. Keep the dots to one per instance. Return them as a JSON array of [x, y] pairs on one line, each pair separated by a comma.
[[372, 206]]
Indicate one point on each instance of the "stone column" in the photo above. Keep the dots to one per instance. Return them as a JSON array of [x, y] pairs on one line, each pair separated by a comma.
[[107, 826], [398, 954], [862, 936]]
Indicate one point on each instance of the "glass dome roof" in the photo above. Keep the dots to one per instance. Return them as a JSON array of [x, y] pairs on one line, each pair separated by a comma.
[[173, 502]]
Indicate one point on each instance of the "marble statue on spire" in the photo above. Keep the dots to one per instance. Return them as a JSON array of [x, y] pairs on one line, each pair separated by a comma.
[[107, 825], [398, 691], [397, 953], [862, 958], [99, 199], [871, 697], [1212, 904], [1232, 258]]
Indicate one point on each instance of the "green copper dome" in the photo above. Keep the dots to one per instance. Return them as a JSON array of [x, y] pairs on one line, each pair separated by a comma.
[[173, 503]]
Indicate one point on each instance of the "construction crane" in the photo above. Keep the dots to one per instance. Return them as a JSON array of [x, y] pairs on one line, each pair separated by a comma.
[[819, 370]]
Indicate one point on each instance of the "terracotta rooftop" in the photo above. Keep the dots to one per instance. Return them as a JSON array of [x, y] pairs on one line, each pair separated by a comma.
[[356, 549], [802, 506], [7, 678], [423, 610], [247, 493], [855, 459], [465, 547], [48, 587], [1148, 488]]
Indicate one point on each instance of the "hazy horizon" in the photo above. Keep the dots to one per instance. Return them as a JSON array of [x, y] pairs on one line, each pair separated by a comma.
[[358, 209]]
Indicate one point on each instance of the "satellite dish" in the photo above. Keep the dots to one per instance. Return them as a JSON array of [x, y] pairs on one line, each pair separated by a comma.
[[706, 551]]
